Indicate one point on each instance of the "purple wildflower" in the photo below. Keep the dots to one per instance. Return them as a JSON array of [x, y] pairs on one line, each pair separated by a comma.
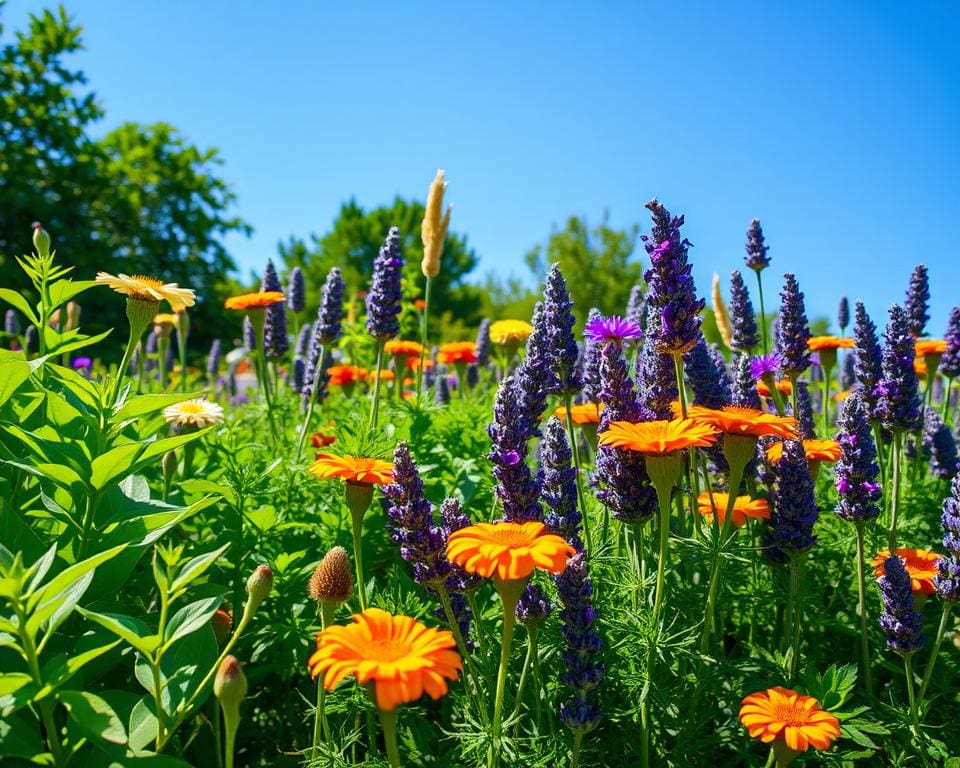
[[299, 374], [613, 329], [950, 360], [672, 291], [249, 335], [275, 342], [764, 365], [744, 389], [302, 347], [899, 395], [902, 624], [742, 317], [848, 370], [483, 342], [441, 390], [869, 362], [30, 339], [947, 580], [590, 362], [656, 377], [938, 441], [636, 309], [326, 330], [918, 300], [81, 364], [213, 358], [383, 298], [534, 606], [793, 331], [551, 348], [516, 487], [790, 529], [560, 484], [843, 314], [296, 291], [757, 258], [11, 322], [804, 413], [710, 389], [856, 471], [583, 670], [453, 518]]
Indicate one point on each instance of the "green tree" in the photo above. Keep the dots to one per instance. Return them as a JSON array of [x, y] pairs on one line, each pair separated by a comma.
[[598, 264], [353, 243], [140, 200]]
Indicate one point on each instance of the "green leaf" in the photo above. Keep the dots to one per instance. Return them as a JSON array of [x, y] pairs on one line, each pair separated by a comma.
[[70, 341], [12, 374], [129, 458], [143, 724], [95, 718], [133, 631], [39, 570], [19, 302], [13, 681], [190, 618], [21, 738], [141, 405], [63, 290], [195, 567], [59, 669]]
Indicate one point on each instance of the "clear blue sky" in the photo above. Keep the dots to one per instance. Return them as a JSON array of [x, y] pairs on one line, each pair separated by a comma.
[[837, 124]]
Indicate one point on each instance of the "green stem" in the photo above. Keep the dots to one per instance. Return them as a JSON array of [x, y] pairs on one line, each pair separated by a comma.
[[736, 476], [182, 349], [663, 500], [473, 688], [862, 597], [681, 390], [527, 662], [928, 673], [229, 745], [162, 344], [575, 450], [46, 704], [311, 401], [510, 592], [423, 337], [320, 725], [826, 400], [388, 722], [575, 759], [357, 525], [375, 406], [946, 399], [124, 362], [795, 616], [763, 313], [895, 492], [911, 695]]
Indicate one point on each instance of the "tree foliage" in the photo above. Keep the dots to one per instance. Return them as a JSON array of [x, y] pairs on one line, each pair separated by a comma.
[[141, 199]]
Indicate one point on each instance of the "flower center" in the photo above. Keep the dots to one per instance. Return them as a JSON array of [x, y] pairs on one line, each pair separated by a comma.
[[510, 537], [389, 649], [790, 715], [191, 408]]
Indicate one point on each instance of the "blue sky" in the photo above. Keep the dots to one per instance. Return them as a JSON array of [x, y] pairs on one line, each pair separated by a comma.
[[836, 124]]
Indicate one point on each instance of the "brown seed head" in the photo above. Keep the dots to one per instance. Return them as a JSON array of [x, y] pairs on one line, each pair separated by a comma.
[[331, 582]]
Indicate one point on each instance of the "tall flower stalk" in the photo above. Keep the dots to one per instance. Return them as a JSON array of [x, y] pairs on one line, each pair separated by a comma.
[[433, 232], [758, 260], [383, 306]]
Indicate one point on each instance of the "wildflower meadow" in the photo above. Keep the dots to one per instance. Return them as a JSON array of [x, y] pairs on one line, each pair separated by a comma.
[[342, 541]]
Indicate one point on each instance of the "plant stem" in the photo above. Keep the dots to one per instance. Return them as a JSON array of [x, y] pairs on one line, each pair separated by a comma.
[[388, 722], [736, 475], [914, 702], [575, 759], [375, 406], [357, 525], [472, 685], [763, 313], [510, 592], [928, 673], [124, 362], [946, 399], [826, 400], [575, 450], [423, 337], [525, 670], [681, 390], [320, 724], [895, 495], [862, 597], [795, 612], [46, 704], [311, 401]]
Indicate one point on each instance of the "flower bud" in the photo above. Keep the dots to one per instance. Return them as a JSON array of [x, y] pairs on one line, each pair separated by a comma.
[[73, 315], [230, 684], [258, 586], [41, 239], [169, 468], [222, 624], [331, 582]]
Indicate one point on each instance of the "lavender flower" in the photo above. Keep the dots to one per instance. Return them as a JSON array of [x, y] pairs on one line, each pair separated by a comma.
[[869, 363], [516, 487], [560, 484], [792, 330], [902, 624], [30, 340], [656, 377], [551, 348], [583, 670], [453, 518], [764, 365], [534, 606], [672, 291], [483, 342], [804, 414], [81, 364], [918, 300], [709, 382], [11, 322], [296, 291], [302, 347], [213, 358], [848, 370], [299, 375], [330, 313], [441, 390], [275, 343], [790, 529], [939, 443], [856, 471], [950, 360], [947, 580], [843, 314], [636, 309], [590, 362], [899, 396], [744, 389], [473, 376], [383, 298], [757, 258], [744, 321], [249, 335]]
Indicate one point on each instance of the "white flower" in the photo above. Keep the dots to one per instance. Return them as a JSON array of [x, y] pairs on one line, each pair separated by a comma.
[[198, 413]]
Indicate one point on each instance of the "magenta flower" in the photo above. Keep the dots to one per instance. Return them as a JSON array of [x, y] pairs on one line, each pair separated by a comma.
[[764, 365], [614, 329]]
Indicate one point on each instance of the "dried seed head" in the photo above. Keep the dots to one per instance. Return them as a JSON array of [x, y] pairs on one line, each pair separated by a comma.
[[331, 582]]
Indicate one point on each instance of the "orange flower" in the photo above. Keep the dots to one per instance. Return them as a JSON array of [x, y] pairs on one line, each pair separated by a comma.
[[737, 420], [458, 352], [817, 343], [921, 564], [257, 300], [816, 450], [413, 363], [321, 439], [353, 469], [588, 413], [920, 367], [792, 718], [930, 347], [784, 387], [420, 305], [385, 375], [508, 550], [743, 507], [658, 437], [346, 374], [402, 657], [402, 348]]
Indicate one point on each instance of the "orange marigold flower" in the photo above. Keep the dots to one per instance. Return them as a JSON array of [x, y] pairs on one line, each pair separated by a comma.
[[508, 550], [920, 367], [413, 363], [402, 348], [458, 352], [738, 420], [658, 437], [743, 507], [321, 439], [921, 564], [385, 375], [930, 347], [420, 304], [346, 374], [257, 300], [402, 657], [817, 343], [353, 469], [588, 413], [784, 387], [816, 450], [792, 718]]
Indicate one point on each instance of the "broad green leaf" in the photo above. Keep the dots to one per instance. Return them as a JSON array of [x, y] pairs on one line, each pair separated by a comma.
[[63, 290], [195, 567], [39, 570], [143, 724], [190, 618], [130, 458], [57, 473], [20, 738], [13, 681], [133, 631], [70, 341], [208, 486], [19, 302], [61, 667], [12, 374], [95, 718], [141, 405]]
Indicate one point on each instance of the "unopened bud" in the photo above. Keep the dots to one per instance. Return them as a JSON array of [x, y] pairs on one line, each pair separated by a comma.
[[230, 684], [41, 239], [169, 467], [331, 582], [258, 586], [222, 624], [73, 315]]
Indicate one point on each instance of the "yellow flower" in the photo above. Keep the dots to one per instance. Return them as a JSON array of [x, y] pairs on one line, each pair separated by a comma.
[[433, 231], [509, 332], [198, 413], [149, 289], [658, 438]]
